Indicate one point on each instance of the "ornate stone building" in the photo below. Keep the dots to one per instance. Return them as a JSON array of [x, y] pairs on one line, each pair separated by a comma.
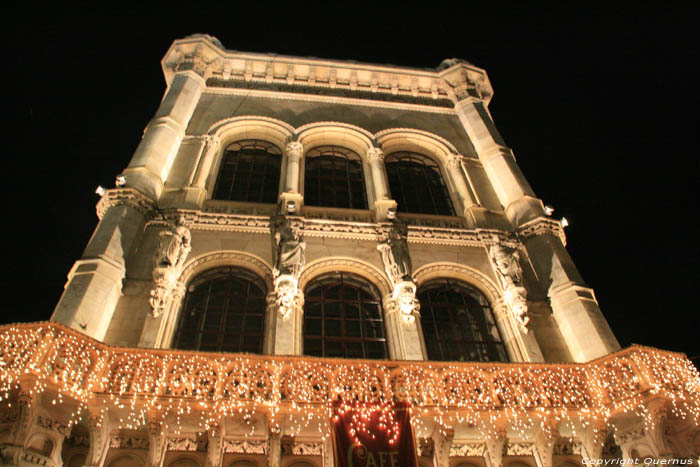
[[295, 231]]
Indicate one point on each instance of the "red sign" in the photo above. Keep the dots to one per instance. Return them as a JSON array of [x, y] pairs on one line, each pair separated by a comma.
[[373, 435]]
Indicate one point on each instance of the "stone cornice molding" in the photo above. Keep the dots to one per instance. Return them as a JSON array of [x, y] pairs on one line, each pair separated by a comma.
[[125, 197], [542, 226], [464, 81]]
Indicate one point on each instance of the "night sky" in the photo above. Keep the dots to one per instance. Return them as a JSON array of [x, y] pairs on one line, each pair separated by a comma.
[[599, 107]]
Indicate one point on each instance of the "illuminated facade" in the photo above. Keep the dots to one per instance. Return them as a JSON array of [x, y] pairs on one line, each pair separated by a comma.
[[292, 232]]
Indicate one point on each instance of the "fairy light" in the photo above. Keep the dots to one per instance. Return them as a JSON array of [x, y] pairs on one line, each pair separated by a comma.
[[297, 392]]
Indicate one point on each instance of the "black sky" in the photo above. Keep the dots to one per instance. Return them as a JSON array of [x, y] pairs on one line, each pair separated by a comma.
[[598, 105]]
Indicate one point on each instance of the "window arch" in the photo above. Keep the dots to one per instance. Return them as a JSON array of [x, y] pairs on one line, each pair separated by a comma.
[[249, 171], [343, 318], [417, 185], [458, 323], [334, 178], [224, 310]]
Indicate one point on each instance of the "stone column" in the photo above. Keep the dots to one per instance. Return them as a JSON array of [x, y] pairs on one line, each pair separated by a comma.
[[576, 312], [495, 445], [441, 450], [512, 189], [95, 281], [156, 444], [293, 152], [285, 315], [382, 201], [328, 457], [215, 447], [403, 328], [161, 140]]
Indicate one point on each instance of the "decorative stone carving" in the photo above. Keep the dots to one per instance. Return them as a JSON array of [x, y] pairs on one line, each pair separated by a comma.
[[467, 450], [169, 258], [567, 448], [394, 252], [507, 266], [397, 263], [294, 149], [53, 425], [291, 448], [183, 444], [127, 197], [128, 442], [232, 446], [375, 154], [288, 252], [287, 246], [542, 226], [520, 449]]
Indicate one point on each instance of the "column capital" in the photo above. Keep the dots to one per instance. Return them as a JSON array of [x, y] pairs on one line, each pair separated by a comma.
[[294, 149], [542, 226], [375, 154], [454, 161], [129, 197]]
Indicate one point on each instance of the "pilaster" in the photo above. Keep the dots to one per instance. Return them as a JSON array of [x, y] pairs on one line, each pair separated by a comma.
[[95, 282], [291, 199], [576, 311], [511, 187], [98, 431], [196, 190], [149, 167]]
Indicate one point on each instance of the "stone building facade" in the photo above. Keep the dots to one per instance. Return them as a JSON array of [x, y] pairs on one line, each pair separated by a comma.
[[293, 231]]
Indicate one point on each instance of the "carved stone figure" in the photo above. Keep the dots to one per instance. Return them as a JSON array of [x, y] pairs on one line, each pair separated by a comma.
[[287, 246], [174, 245], [173, 248], [394, 251], [506, 262]]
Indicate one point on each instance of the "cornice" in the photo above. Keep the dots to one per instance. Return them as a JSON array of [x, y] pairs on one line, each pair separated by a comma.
[[206, 56]]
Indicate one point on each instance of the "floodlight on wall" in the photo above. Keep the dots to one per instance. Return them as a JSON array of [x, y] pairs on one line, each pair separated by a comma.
[[100, 190], [121, 180], [291, 207], [548, 210], [564, 222], [391, 213]]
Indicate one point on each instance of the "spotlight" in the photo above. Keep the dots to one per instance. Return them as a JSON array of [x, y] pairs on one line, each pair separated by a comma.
[[100, 190], [121, 180], [291, 207], [564, 222], [548, 210], [391, 213]]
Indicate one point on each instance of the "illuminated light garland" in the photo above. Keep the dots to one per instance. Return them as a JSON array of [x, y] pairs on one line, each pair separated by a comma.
[[140, 385]]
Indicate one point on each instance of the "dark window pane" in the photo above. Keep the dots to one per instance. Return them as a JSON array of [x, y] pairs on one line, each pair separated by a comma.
[[223, 304], [458, 324], [351, 320], [249, 171], [334, 178], [416, 184]]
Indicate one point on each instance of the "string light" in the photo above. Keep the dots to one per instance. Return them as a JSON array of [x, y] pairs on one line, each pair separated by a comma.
[[297, 392]]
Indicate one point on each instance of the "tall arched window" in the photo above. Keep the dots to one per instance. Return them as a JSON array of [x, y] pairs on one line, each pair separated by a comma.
[[334, 178], [249, 171], [458, 323], [417, 185], [343, 318], [224, 310]]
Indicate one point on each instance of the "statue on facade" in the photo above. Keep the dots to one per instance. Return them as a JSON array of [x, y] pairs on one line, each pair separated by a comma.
[[173, 247], [289, 257], [397, 263], [288, 248], [394, 251], [506, 262]]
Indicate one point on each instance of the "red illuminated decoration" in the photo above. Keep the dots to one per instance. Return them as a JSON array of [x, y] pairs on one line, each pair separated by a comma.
[[367, 434]]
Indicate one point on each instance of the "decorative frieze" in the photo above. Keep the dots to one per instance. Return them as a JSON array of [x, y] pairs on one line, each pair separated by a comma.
[[520, 449], [233, 446], [53, 425], [467, 450], [568, 448], [290, 447], [128, 442], [186, 443]]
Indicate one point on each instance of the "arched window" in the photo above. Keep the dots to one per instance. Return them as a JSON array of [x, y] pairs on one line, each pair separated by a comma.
[[224, 310], [249, 171], [417, 185], [343, 318], [458, 323], [334, 178]]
